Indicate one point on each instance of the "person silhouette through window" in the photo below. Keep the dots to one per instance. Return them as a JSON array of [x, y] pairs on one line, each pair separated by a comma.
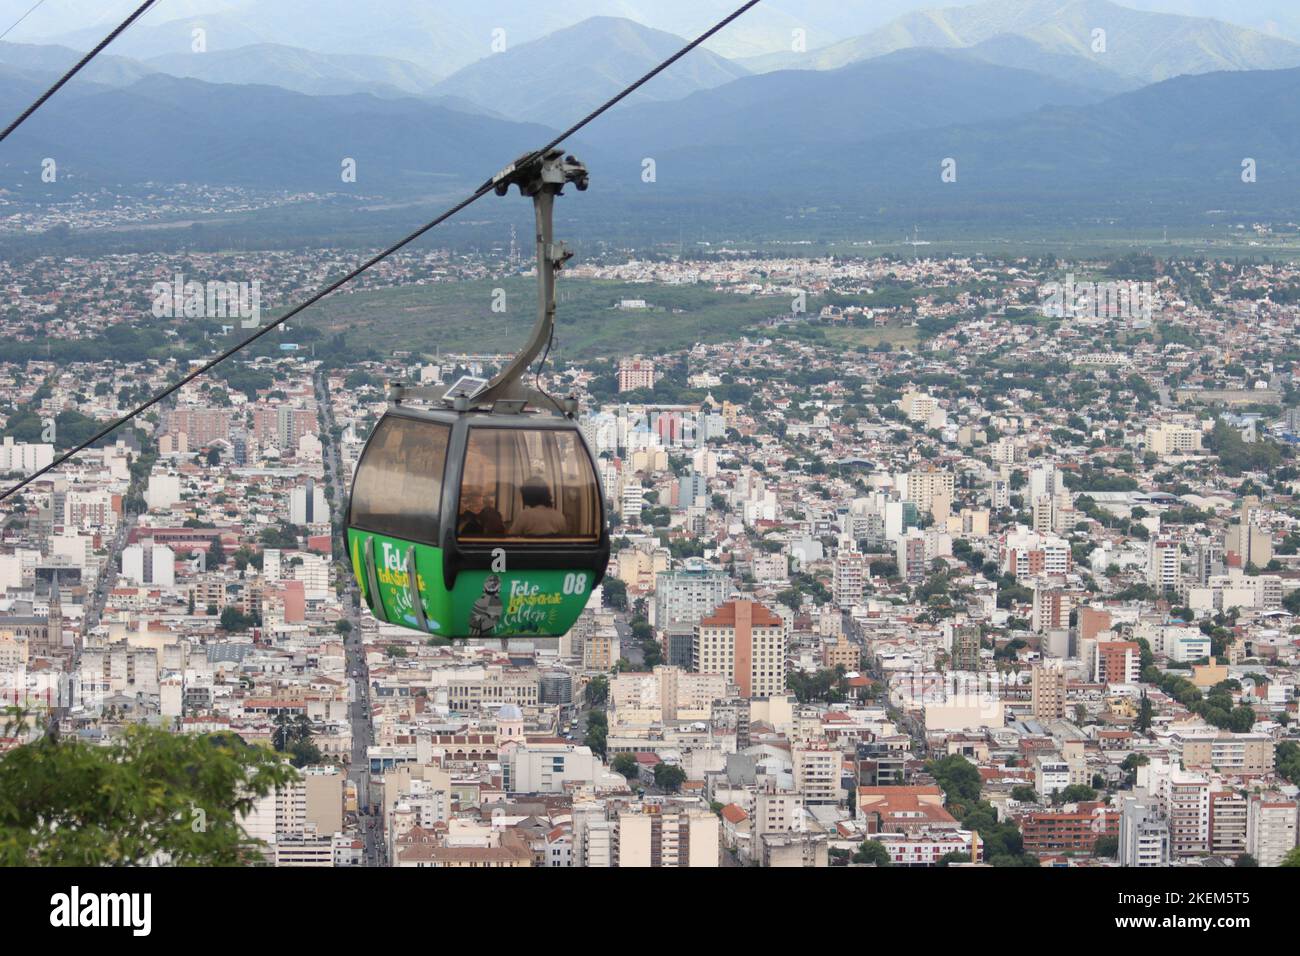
[[479, 516], [539, 516]]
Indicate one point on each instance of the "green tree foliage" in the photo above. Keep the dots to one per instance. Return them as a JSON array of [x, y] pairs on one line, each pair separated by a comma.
[[1287, 761], [1076, 793], [282, 535], [597, 732], [669, 777], [959, 779], [598, 691], [1145, 714], [1131, 764], [872, 852], [147, 796], [292, 736], [625, 763], [234, 620], [246, 557], [1236, 455], [615, 594], [825, 685]]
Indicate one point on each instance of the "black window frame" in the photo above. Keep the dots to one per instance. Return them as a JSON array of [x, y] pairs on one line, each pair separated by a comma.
[[428, 522]]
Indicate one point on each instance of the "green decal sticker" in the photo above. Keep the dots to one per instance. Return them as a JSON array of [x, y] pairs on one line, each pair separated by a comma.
[[543, 603]]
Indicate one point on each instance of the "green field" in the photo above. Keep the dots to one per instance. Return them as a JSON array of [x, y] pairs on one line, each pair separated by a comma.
[[458, 316], [868, 339]]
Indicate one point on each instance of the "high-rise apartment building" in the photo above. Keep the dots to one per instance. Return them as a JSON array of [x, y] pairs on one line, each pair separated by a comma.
[[849, 582], [1047, 691], [635, 373], [683, 597], [745, 642]]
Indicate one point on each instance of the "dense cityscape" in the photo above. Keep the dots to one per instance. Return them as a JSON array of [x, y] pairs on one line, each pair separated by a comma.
[[640, 435], [943, 562]]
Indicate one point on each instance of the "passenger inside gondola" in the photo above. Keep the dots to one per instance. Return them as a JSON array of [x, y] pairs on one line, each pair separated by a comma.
[[479, 516], [539, 516], [525, 484]]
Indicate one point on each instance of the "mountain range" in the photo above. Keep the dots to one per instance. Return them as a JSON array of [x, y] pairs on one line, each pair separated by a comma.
[[1036, 127], [444, 37], [1174, 149], [165, 129], [904, 91], [1138, 45], [584, 64], [441, 36], [573, 70], [304, 71]]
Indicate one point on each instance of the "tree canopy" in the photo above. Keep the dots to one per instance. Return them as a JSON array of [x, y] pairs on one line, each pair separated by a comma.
[[148, 796]]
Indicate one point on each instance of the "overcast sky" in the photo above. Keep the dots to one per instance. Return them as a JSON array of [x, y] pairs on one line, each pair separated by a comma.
[[79, 22]]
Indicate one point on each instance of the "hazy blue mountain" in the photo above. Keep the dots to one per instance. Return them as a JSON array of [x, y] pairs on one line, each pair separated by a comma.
[[301, 70], [769, 27], [1142, 45], [864, 144], [166, 129], [1025, 54], [440, 37], [443, 36], [53, 60], [908, 90], [1173, 149], [563, 76]]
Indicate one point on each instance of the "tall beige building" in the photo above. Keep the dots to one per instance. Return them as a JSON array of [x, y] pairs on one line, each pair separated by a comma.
[[927, 484], [323, 798], [918, 406], [848, 582], [667, 837], [1270, 830], [1167, 438], [668, 694], [745, 642], [1047, 691], [1239, 754], [817, 774], [635, 373]]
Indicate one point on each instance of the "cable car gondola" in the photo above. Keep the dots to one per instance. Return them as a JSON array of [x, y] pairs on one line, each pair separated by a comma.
[[480, 514]]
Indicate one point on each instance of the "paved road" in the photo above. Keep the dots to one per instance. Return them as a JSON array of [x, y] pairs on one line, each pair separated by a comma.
[[627, 647], [108, 579], [354, 654], [362, 735]]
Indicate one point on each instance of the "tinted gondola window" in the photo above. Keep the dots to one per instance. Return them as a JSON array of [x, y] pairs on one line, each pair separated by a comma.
[[525, 484], [398, 486]]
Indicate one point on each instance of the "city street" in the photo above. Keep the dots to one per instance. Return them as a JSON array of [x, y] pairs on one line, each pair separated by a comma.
[[359, 710]]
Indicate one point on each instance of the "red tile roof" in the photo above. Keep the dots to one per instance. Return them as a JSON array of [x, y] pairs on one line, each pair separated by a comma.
[[725, 616]]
